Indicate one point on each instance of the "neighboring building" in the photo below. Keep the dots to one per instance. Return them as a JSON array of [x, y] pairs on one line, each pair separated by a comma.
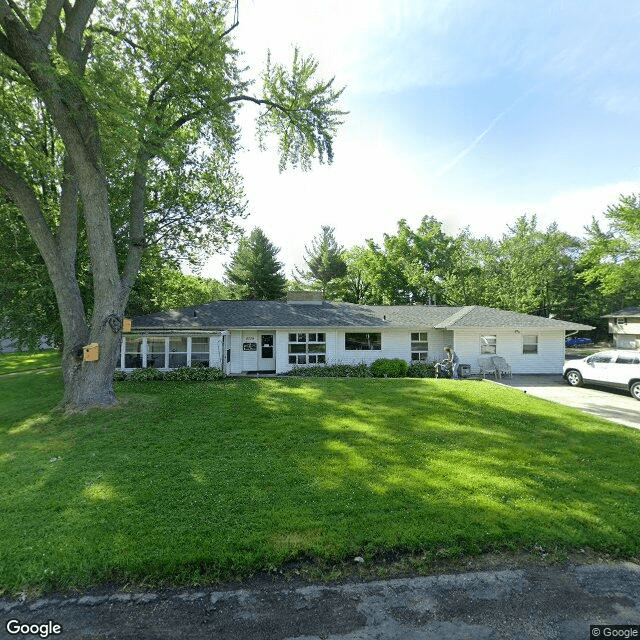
[[9, 345], [271, 336], [624, 325]]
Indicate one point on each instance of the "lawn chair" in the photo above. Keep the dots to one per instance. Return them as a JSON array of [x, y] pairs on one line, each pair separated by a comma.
[[503, 367], [487, 367]]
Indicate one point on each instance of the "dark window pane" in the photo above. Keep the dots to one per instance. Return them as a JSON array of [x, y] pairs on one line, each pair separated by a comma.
[[176, 360], [321, 337], [302, 359], [267, 341], [321, 359], [415, 336], [317, 348], [293, 337], [313, 337], [292, 360], [132, 361], [297, 348], [267, 352], [363, 341], [312, 359], [302, 337]]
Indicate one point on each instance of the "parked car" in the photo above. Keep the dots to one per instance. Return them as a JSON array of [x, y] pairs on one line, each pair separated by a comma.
[[576, 342], [619, 369]]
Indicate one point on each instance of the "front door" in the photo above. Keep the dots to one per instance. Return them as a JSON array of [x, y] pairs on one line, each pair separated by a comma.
[[267, 355]]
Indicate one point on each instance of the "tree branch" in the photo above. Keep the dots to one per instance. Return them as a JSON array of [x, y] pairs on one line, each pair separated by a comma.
[[116, 34], [68, 228], [136, 223], [77, 18], [18, 12], [50, 20]]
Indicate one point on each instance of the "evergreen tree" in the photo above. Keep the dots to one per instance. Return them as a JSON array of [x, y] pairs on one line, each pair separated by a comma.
[[254, 272], [325, 264]]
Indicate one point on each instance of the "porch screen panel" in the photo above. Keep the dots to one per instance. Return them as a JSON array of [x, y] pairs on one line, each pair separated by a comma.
[[200, 351], [156, 353], [177, 352], [133, 353]]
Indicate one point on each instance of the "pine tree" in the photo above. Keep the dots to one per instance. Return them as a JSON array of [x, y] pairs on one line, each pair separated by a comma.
[[325, 263], [254, 273]]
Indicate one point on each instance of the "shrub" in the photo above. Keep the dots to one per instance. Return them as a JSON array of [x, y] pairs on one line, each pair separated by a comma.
[[421, 370], [144, 375], [385, 368], [332, 371], [119, 376], [195, 373]]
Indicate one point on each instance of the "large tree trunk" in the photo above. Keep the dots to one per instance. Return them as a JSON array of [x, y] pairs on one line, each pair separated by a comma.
[[90, 384]]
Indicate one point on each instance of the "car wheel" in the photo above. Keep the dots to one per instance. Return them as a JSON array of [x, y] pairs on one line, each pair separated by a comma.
[[635, 390], [574, 378]]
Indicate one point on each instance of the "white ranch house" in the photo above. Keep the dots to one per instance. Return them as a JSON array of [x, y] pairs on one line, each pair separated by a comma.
[[250, 336]]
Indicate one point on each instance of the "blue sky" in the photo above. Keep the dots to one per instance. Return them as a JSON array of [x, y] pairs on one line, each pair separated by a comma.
[[475, 112]]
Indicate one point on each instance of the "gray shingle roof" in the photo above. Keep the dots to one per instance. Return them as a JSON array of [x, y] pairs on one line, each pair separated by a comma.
[[624, 313], [237, 314]]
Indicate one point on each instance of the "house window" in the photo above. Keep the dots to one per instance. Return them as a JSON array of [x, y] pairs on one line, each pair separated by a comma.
[[133, 353], [488, 345], [529, 344], [363, 341], [621, 321], [200, 351], [177, 352], [307, 348], [419, 346], [156, 357]]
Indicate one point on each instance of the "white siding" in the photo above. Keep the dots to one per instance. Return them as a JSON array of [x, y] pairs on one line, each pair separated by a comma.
[[549, 359], [249, 359], [216, 352], [438, 340], [282, 351], [234, 366], [396, 343]]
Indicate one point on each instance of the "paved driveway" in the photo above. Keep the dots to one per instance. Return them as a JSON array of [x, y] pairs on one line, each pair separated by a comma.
[[614, 405]]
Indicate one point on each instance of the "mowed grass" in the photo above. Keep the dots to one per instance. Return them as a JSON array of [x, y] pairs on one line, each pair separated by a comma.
[[17, 362], [186, 483]]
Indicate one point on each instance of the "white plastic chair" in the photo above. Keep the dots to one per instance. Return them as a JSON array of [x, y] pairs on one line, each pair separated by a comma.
[[488, 367], [503, 367]]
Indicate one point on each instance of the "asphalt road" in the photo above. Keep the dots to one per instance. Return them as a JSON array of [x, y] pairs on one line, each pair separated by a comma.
[[535, 603]]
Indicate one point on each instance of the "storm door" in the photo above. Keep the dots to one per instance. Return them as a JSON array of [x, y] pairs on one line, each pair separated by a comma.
[[267, 354]]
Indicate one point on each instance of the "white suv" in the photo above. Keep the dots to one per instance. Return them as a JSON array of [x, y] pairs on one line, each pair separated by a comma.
[[620, 369]]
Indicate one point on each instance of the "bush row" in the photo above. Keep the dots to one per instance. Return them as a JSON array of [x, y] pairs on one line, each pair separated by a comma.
[[195, 374], [382, 368]]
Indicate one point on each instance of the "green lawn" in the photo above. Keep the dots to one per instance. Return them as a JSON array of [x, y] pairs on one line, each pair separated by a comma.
[[16, 362], [192, 482]]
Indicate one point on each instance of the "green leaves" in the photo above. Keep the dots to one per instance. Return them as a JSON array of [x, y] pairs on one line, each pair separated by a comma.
[[254, 272], [300, 111], [611, 259]]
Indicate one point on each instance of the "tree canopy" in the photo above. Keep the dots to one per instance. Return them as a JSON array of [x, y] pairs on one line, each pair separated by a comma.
[[254, 272], [118, 133], [325, 264]]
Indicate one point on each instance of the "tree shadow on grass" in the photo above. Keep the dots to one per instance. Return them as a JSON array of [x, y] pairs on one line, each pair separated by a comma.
[[214, 480]]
